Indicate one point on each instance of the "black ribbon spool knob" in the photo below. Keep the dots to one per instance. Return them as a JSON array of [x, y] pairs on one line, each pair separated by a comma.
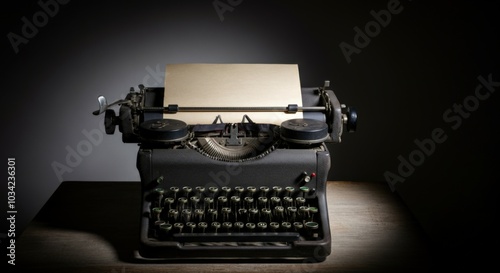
[[304, 131], [166, 130]]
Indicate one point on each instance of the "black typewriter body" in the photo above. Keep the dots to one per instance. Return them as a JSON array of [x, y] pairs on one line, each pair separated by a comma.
[[244, 190]]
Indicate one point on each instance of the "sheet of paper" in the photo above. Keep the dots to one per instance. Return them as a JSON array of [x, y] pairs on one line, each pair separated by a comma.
[[212, 85]]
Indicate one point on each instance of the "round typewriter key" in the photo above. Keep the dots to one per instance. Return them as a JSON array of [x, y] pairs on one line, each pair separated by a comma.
[[208, 201], [312, 225], [215, 226], [227, 226], [199, 214], [173, 213], [262, 225], [187, 190], [159, 191], [279, 212], [202, 226], [300, 201], [239, 190], [165, 227], [304, 212], [304, 190], [274, 226], [186, 215], [168, 202], [179, 227], [250, 226], [174, 191], [238, 225], [277, 190], [262, 201], [213, 190], [298, 226], [226, 190], [289, 190], [191, 226], [194, 201], [287, 200], [251, 190], [156, 213], [213, 214], [264, 190], [200, 190], [286, 225], [275, 200], [248, 201]]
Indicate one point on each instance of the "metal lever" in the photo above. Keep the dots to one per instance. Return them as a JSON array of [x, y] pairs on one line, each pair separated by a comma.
[[103, 105]]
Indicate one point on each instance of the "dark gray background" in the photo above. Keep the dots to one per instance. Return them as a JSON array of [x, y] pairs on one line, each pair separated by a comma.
[[427, 59]]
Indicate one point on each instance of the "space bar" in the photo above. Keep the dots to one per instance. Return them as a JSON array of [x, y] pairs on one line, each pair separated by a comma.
[[237, 237]]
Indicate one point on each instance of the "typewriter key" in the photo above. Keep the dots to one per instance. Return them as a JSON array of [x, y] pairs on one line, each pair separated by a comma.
[[253, 214], [186, 215], [199, 213], [227, 226], [298, 226], [213, 214], [226, 190], [208, 201], [179, 227], [239, 226], [289, 190], [239, 190], [215, 226], [277, 190], [275, 200], [202, 226], [200, 190], [213, 190], [165, 228], [264, 190], [173, 214], [304, 190], [159, 192], [251, 190], [181, 202], [168, 202], [279, 212], [250, 226], [174, 191], [286, 226], [156, 213], [187, 190], [266, 214], [249, 202], [262, 201], [274, 226], [300, 201], [194, 201], [191, 226], [262, 226]]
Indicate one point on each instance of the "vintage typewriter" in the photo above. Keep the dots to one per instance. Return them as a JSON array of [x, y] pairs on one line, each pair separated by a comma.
[[241, 190]]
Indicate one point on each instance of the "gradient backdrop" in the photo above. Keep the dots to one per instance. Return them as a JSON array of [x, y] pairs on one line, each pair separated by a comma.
[[413, 70]]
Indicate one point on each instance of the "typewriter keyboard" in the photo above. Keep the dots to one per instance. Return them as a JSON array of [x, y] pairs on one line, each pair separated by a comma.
[[250, 214]]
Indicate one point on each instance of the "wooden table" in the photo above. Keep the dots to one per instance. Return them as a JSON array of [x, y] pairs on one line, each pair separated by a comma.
[[93, 227]]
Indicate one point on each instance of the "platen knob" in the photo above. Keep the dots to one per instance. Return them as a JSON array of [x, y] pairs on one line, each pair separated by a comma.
[[110, 121], [350, 118]]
